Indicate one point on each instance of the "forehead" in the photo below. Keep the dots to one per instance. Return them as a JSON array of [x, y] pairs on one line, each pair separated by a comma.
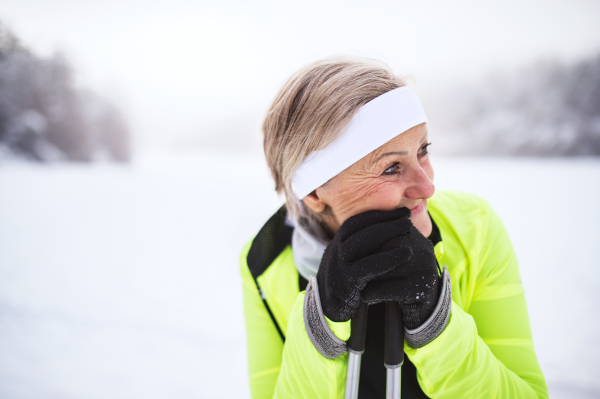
[[403, 142]]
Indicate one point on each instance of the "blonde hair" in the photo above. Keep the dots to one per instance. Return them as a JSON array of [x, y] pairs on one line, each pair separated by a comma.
[[313, 107]]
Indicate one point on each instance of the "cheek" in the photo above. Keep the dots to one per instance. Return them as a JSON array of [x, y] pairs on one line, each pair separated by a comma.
[[376, 196], [384, 196]]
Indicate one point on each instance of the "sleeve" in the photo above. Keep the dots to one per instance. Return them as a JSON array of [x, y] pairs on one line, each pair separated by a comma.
[[305, 373], [293, 370], [487, 351], [264, 344]]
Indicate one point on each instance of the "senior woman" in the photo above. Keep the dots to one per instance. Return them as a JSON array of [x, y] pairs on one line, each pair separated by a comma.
[[346, 142]]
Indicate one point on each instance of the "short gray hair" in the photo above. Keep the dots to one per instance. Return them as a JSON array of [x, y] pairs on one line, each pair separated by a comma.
[[313, 107]]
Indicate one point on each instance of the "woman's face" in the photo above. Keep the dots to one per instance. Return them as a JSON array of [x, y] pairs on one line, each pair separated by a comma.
[[397, 174]]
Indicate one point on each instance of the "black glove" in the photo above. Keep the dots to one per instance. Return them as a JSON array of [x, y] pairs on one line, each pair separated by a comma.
[[416, 284], [365, 247]]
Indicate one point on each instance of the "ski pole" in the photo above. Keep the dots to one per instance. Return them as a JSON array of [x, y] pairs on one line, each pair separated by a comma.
[[394, 349], [356, 347]]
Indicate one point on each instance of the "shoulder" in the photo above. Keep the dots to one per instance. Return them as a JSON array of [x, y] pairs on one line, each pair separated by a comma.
[[267, 268], [477, 245], [459, 209], [271, 240], [457, 201], [463, 218]]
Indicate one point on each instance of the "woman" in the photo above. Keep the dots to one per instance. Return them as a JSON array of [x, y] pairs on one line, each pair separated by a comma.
[[346, 142]]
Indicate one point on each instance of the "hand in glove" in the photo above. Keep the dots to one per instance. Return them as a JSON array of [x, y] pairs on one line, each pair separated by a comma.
[[366, 246], [377, 256], [416, 283]]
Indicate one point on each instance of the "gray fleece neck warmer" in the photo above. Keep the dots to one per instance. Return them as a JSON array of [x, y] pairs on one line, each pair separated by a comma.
[[309, 241]]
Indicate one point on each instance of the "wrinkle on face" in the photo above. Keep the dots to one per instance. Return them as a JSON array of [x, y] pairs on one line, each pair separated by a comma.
[[362, 187], [351, 201]]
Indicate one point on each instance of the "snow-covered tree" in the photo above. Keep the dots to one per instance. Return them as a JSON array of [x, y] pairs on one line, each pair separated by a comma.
[[548, 109], [44, 117]]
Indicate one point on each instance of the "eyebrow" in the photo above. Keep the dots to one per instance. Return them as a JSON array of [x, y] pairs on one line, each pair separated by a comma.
[[399, 152]]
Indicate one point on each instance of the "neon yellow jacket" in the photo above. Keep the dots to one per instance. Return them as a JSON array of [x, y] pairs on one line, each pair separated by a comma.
[[486, 350]]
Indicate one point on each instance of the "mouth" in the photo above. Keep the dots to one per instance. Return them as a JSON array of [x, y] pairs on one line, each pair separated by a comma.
[[417, 209]]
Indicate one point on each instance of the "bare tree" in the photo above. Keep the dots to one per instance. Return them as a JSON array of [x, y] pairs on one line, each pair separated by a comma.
[[548, 109], [44, 117]]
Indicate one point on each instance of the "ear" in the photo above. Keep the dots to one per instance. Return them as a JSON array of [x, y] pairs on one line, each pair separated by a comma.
[[315, 201]]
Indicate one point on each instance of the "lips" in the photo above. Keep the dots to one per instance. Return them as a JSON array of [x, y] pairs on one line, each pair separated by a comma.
[[417, 209]]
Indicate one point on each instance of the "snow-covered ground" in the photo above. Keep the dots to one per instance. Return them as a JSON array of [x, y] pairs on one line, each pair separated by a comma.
[[122, 282]]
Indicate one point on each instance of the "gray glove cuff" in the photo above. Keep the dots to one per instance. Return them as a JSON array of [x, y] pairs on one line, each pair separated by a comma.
[[321, 336], [330, 346], [436, 323]]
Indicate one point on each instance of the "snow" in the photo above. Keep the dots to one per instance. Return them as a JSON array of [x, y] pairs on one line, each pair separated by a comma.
[[122, 281]]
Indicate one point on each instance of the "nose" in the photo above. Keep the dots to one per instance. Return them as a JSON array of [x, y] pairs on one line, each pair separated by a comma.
[[421, 186]]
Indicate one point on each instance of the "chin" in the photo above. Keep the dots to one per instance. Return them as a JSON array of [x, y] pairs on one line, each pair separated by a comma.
[[423, 223]]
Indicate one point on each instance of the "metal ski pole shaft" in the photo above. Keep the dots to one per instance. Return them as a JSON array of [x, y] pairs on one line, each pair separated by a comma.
[[356, 347], [394, 349]]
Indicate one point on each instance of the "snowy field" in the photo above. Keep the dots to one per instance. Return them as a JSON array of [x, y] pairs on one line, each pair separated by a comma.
[[122, 282]]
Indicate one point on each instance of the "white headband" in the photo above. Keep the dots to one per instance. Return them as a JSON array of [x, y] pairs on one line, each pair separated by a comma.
[[375, 123]]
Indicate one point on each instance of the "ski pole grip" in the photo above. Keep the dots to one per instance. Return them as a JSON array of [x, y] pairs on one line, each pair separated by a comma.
[[358, 329], [394, 335]]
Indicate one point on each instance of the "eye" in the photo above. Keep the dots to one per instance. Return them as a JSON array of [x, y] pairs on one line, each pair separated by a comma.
[[423, 151], [392, 170]]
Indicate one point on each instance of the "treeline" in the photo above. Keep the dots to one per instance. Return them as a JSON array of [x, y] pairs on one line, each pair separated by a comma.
[[548, 109], [43, 117]]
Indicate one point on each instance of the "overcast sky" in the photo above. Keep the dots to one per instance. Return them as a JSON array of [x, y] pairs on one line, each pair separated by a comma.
[[187, 69]]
